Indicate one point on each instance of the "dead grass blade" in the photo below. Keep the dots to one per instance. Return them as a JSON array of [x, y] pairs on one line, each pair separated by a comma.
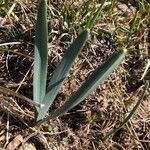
[[8, 91]]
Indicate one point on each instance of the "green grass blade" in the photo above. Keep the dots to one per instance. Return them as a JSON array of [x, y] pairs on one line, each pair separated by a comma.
[[98, 76], [130, 115], [113, 2], [133, 26], [94, 17], [40, 53], [61, 72]]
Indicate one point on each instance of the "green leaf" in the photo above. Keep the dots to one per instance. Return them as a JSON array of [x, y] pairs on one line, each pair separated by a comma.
[[61, 72], [96, 78], [133, 26], [130, 115], [92, 19], [40, 53]]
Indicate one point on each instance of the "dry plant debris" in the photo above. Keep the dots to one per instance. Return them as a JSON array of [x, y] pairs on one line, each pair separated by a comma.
[[84, 126]]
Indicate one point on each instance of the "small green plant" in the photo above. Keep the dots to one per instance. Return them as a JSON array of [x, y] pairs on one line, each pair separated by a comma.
[[45, 96], [130, 115]]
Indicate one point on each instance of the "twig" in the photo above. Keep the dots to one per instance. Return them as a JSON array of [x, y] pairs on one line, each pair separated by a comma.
[[10, 43], [20, 84], [146, 69], [7, 131]]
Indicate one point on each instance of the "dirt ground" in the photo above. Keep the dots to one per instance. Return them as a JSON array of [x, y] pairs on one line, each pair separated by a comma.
[[84, 127]]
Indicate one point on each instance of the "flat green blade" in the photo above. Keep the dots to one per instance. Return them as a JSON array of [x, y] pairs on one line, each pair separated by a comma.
[[61, 72], [96, 78], [40, 54], [92, 19]]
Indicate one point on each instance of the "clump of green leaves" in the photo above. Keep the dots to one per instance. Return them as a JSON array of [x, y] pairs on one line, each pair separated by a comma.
[[45, 96]]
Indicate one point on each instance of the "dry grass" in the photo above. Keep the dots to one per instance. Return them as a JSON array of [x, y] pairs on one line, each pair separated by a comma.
[[85, 126]]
